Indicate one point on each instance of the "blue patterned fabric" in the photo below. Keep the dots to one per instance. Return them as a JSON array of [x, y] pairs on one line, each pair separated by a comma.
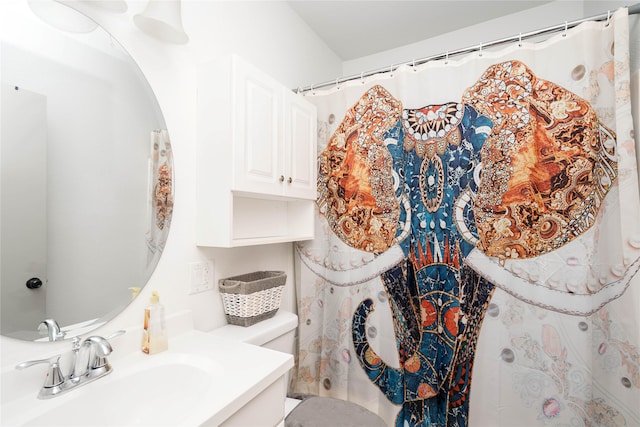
[[433, 297]]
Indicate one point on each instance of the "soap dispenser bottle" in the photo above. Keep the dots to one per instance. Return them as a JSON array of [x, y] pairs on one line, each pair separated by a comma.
[[154, 335]]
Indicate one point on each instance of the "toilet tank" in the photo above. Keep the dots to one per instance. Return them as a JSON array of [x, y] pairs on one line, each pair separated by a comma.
[[277, 333]]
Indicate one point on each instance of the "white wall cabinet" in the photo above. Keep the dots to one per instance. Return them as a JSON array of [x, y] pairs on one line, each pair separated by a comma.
[[256, 165], [275, 141]]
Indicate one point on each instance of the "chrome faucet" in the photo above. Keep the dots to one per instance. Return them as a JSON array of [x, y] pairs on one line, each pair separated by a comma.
[[89, 362], [89, 359], [52, 328]]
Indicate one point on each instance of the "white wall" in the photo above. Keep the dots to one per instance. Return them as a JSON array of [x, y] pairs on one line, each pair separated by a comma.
[[546, 15]]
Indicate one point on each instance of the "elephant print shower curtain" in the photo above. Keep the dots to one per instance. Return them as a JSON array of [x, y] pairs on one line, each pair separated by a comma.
[[478, 239]]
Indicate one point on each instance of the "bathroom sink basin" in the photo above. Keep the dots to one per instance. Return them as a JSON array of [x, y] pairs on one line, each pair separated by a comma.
[[202, 380], [145, 393]]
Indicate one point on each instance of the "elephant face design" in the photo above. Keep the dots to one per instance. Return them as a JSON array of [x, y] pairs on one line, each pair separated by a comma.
[[436, 153]]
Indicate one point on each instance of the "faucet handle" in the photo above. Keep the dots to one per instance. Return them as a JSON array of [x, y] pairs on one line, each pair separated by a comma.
[[103, 349], [75, 344], [99, 348], [54, 376]]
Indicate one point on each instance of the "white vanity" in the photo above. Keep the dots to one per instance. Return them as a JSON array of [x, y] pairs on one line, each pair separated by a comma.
[[202, 380]]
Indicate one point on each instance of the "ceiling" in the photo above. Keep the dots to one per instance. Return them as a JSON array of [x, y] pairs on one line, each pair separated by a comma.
[[353, 29]]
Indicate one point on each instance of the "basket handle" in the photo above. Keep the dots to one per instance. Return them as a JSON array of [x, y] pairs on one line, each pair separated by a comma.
[[229, 285]]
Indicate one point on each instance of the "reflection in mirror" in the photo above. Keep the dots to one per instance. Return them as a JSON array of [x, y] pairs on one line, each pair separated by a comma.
[[86, 191]]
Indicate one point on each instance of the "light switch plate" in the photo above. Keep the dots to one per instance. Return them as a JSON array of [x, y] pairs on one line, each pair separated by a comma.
[[201, 276]]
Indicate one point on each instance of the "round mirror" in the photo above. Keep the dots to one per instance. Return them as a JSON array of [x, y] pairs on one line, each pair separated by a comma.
[[86, 190]]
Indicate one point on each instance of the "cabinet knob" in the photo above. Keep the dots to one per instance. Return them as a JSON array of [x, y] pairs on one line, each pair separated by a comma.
[[290, 180], [281, 178]]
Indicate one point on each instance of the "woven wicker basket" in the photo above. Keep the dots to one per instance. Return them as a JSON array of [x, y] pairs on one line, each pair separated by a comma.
[[250, 298]]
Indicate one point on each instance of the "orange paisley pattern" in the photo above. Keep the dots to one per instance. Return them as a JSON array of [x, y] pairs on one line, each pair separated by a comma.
[[355, 181], [546, 167]]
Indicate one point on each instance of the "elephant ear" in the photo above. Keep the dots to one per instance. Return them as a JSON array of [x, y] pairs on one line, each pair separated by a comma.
[[355, 175], [546, 167]]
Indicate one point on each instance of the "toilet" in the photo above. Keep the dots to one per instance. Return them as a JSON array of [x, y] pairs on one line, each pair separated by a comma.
[[279, 333]]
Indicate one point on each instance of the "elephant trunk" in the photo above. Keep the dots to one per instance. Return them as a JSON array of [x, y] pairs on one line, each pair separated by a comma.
[[389, 380]]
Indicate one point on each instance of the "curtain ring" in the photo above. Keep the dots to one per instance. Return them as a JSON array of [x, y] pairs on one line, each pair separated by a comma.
[[608, 17], [520, 40], [312, 91], [480, 50], [362, 77], [337, 84], [414, 66], [391, 71], [446, 58], [566, 27]]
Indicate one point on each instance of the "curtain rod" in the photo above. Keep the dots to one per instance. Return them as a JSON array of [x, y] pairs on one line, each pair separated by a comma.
[[632, 10]]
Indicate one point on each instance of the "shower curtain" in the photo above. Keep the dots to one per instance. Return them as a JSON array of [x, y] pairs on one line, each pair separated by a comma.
[[479, 218], [160, 193]]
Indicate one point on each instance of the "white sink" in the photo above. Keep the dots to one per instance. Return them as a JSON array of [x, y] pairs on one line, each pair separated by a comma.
[[198, 381], [143, 392], [139, 398]]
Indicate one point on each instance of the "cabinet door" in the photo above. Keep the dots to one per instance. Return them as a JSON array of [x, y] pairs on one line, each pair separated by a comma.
[[257, 128], [300, 147]]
